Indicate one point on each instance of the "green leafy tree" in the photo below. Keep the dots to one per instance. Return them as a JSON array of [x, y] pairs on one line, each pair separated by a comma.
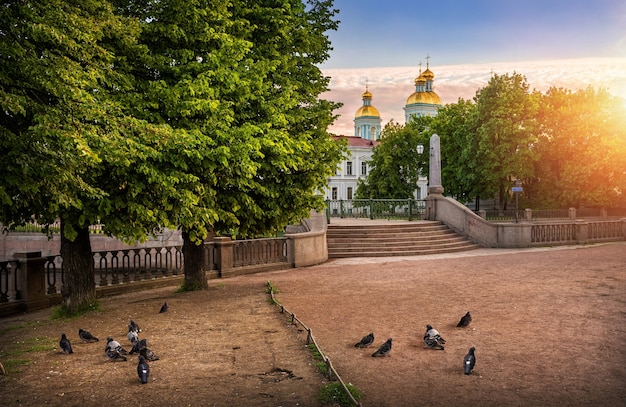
[[241, 78], [396, 165], [582, 149], [73, 154], [506, 134], [455, 125]]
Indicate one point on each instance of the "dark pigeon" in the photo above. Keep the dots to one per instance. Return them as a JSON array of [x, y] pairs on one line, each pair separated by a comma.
[[432, 339], [86, 336], [148, 354], [65, 344], [164, 308], [469, 361], [138, 346], [366, 341], [384, 349], [465, 320], [143, 370], [134, 326]]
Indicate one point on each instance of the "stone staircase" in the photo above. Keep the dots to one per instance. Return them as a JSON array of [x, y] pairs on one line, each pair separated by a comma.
[[394, 239]]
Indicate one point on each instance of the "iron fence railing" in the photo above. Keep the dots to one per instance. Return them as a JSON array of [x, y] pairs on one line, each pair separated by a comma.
[[411, 209]]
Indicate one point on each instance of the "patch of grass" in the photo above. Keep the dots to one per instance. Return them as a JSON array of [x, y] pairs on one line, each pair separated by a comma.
[[183, 288], [335, 394], [19, 326], [62, 311], [13, 365], [319, 360], [269, 289]]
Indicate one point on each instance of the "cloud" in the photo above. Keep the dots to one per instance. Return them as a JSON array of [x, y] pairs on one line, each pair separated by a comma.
[[391, 86]]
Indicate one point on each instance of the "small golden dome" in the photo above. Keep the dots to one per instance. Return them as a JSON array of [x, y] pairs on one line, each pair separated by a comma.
[[367, 111], [420, 79], [430, 98], [366, 94], [428, 74]]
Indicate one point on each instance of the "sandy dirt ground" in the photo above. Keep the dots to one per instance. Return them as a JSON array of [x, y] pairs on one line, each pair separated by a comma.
[[549, 328]]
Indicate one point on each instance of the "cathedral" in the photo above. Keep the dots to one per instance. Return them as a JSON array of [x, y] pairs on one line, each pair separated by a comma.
[[367, 133]]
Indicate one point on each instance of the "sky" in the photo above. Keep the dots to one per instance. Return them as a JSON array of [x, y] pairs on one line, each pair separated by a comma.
[[565, 43]]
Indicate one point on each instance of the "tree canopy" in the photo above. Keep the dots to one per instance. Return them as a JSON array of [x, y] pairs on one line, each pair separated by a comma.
[[203, 115]]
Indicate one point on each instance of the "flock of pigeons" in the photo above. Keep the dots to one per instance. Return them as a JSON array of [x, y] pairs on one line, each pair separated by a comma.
[[116, 352], [432, 340]]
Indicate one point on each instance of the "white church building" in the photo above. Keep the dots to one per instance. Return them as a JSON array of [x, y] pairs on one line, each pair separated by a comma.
[[367, 133]]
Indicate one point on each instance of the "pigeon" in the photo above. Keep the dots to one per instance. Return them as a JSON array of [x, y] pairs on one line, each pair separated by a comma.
[[132, 335], [432, 339], [164, 308], [148, 354], [115, 345], [469, 361], [138, 346], [384, 349], [465, 320], [143, 370], [65, 344], [366, 341], [114, 355], [134, 326], [86, 336]]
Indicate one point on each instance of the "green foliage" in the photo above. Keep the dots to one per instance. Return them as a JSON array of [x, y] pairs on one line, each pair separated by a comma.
[[396, 165], [63, 311], [335, 394]]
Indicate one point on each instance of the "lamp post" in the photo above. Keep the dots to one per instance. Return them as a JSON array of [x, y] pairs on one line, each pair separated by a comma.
[[517, 189], [419, 149]]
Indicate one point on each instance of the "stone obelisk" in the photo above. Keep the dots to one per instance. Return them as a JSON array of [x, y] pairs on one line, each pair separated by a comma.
[[434, 173]]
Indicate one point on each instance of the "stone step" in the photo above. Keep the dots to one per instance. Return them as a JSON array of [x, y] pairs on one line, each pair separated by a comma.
[[394, 239]]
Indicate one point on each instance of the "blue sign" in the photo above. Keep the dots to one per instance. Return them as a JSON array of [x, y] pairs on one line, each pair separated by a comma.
[[516, 189]]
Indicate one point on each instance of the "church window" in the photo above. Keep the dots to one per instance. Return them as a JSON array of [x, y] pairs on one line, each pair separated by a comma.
[[363, 168], [349, 168], [334, 194], [349, 192]]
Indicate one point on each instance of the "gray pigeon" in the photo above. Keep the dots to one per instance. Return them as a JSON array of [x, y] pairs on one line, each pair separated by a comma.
[[65, 344], [114, 355], [469, 361], [134, 325], [132, 335], [143, 370], [384, 349], [366, 341], [465, 320], [86, 336], [432, 339], [164, 308], [115, 346]]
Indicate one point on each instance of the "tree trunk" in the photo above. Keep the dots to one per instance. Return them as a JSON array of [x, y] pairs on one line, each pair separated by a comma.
[[79, 288], [195, 276]]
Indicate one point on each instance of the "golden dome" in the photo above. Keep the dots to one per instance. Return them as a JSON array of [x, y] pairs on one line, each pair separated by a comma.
[[366, 94], [428, 74], [430, 98], [366, 111], [420, 79]]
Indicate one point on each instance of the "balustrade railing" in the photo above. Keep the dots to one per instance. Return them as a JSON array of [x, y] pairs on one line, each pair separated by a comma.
[[8, 280], [259, 251], [553, 233]]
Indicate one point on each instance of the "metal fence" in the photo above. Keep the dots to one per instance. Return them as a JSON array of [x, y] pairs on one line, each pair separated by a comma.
[[411, 209]]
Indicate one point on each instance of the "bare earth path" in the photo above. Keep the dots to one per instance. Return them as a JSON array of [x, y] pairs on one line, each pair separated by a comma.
[[549, 329]]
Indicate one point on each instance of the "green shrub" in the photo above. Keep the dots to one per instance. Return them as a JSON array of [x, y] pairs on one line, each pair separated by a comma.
[[334, 393]]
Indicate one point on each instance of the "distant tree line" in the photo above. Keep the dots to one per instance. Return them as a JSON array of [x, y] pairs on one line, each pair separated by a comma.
[[567, 148]]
